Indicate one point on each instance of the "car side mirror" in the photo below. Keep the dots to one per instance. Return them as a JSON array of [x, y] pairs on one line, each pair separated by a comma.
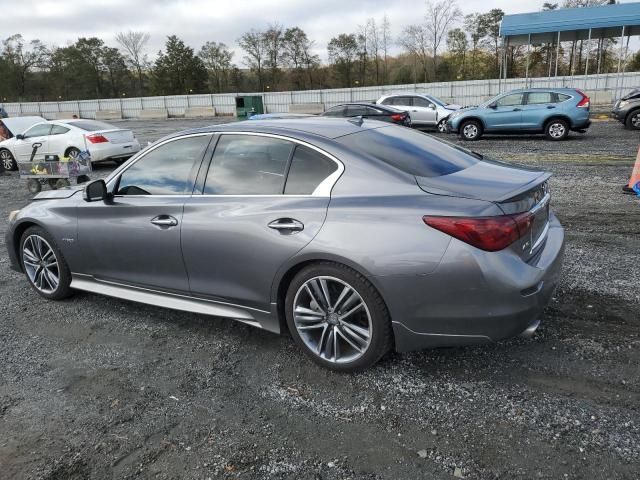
[[432, 106], [95, 191], [492, 105], [19, 137]]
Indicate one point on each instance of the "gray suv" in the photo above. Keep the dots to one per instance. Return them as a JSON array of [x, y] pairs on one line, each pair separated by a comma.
[[627, 110]]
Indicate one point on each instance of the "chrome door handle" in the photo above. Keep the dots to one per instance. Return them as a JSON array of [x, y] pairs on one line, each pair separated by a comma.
[[287, 224], [164, 221]]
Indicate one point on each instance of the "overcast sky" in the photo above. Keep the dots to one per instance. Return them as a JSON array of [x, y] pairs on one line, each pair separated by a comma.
[[60, 22]]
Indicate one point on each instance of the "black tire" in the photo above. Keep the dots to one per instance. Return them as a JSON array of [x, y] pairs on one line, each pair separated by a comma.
[[63, 289], [53, 183], [82, 179], [34, 186], [556, 129], [381, 337], [470, 130], [62, 183], [9, 163], [633, 120]]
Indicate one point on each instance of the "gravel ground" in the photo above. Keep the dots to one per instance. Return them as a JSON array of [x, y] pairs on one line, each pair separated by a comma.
[[95, 387]]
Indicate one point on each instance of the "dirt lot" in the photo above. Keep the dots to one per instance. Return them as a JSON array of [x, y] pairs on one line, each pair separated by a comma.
[[95, 387]]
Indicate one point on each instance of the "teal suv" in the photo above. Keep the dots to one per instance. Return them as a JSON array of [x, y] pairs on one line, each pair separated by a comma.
[[553, 112]]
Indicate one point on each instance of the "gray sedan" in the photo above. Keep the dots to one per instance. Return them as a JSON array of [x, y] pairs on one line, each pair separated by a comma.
[[357, 237]]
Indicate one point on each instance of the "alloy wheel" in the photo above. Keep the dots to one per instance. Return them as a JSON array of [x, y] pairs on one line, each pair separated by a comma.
[[332, 319], [635, 120], [40, 264], [442, 126], [470, 131], [7, 159], [557, 130]]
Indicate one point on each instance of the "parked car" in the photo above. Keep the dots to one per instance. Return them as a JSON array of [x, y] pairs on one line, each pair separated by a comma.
[[627, 110], [67, 138], [3, 113], [382, 113], [553, 112], [278, 116], [424, 110], [355, 237], [9, 128]]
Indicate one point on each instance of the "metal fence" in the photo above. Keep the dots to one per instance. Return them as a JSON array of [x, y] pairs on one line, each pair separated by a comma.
[[607, 87]]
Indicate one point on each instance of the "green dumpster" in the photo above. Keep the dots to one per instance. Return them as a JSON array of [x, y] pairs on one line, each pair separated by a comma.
[[248, 105]]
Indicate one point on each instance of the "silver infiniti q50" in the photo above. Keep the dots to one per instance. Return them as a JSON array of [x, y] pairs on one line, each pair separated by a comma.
[[357, 237]]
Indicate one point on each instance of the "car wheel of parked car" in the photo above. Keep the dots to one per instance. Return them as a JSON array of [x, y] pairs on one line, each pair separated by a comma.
[[557, 129], [44, 265], [338, 317], [471, 130], [34, 186], [442, 126], [633, 120], [73, 153], [7, 160]]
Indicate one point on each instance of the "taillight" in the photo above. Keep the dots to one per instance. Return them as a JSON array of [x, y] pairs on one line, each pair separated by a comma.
[[398, 117], [486, 233], [97, 138], [584, 102]]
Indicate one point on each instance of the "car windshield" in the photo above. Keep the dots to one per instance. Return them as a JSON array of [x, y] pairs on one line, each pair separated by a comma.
[[91, 125], [632, 94], [411, 151], [437, 101]]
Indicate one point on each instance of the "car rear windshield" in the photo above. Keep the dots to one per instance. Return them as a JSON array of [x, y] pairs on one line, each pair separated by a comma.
[[412, 152], [91, 125]]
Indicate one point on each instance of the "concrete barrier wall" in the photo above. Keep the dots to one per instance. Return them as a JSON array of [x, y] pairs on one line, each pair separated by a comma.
[[604, 89]]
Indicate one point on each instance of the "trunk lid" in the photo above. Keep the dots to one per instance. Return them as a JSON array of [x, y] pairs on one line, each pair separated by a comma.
[[514, 189], [116, 136]]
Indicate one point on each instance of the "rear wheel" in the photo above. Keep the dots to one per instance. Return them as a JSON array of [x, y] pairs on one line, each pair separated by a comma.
[[34, 186], [43, 264], [557, 129], [62, 183], [8, 162], [337, 317], [633, 120], [72, 153], [471, 130]]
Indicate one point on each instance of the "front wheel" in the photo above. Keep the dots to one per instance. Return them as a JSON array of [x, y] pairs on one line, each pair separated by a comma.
[[633, 120], [8, 162], [442, 126], [43, 264], [557, 129], [338, 317], [471, 130]]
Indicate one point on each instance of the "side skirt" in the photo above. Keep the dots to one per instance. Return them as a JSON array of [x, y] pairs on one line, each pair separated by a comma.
[[253, 317]]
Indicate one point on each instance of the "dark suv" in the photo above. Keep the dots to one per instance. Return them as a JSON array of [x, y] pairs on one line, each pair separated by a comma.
[[627, 110]]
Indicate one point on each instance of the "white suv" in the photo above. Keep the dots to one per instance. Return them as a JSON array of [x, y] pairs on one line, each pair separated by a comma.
[[424, 110]]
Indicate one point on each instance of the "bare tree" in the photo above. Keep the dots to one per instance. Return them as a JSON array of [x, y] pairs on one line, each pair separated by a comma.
[[297, 54], [415, 42], [252, 42], [375, 41], [23, 59], [386, 40], [439, 18], [133, 44], [273, 39]]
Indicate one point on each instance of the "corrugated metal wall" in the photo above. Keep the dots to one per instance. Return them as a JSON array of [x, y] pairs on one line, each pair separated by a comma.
[[463, 93]]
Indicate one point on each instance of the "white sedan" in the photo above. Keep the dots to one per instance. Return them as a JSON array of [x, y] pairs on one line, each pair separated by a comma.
[[67, 138]]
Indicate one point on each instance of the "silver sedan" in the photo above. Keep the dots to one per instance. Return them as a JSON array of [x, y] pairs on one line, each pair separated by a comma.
[[357, 237]]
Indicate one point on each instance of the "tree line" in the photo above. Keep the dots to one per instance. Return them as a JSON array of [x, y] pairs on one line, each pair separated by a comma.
[[444, 45]]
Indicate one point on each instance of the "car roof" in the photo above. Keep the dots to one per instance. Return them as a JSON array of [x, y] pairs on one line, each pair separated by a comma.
[[542, 89], [320, 126]]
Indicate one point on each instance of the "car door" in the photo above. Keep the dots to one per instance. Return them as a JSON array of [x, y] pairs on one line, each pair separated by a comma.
[[58, 140], [134, 239], [264, 198], [505, 113], [424, 111], [538, 106], [38, 134]]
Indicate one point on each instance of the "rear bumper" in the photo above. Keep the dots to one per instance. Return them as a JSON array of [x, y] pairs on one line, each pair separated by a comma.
[[101, 152], [581, 125], [473, 297]]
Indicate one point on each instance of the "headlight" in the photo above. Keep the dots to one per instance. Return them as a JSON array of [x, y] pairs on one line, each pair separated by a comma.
[[623, 104], [13, 215]]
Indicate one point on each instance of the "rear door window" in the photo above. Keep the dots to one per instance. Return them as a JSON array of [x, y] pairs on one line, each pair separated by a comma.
[[356, 110], [309, 169], [412, 152], [540, 98], [59, 130], [562, 97]]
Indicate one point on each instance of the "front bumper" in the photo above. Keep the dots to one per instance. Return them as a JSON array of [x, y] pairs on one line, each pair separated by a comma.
[[474, 296], [619, 115]]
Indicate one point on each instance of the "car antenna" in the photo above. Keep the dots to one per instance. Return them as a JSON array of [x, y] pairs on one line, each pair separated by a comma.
[[357, 120]]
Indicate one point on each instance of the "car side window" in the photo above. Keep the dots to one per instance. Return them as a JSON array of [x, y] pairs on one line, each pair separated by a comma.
[[338, 111], [562, 97], [539, 98], [421, 102], [309, 169], [356, 110], [59, 130], [510, 100], [40, 130], [404, 101], [373, 111], [388, 101], [165, 170], [248, 165]]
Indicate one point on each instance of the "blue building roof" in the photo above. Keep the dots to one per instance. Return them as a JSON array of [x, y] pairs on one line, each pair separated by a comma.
[[605, 21]]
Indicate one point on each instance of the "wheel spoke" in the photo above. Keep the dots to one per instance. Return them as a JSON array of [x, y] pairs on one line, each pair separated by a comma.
[[319, 294], [349, 341], [343, 294], [354, 309], [313, 297], [336, 348], [29, 254], [325, 293], [313, 326], [322, 336], [51, 278], [308, 311], [361, 333]]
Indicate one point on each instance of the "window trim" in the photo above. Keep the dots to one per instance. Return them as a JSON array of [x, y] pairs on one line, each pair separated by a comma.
[[114, 179], [323, 190]]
